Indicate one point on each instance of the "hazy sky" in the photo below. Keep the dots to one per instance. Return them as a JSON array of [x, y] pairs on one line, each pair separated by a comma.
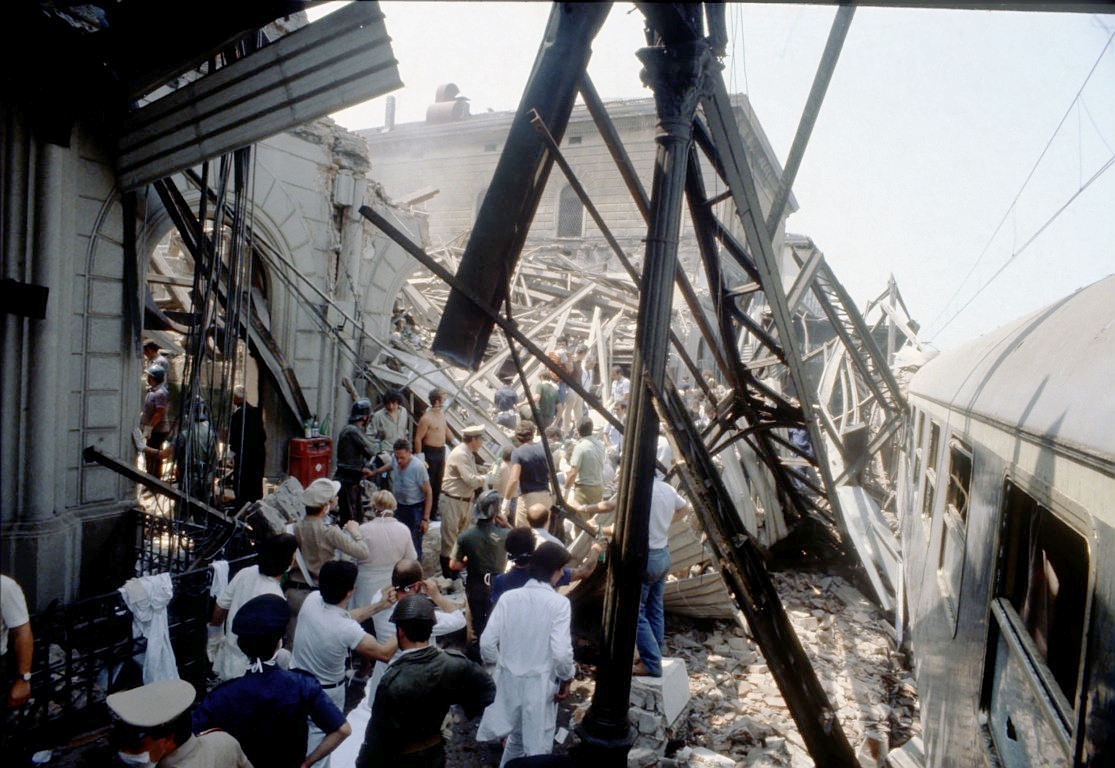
[[952, 145]]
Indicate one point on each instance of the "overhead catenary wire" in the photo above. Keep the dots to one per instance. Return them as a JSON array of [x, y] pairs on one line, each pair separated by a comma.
[[1006, 215], [1018, 252]]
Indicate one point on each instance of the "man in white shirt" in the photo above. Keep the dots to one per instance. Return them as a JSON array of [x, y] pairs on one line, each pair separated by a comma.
[[276, 555], [326, 633], [621, 387], [528, 637], [650, 635], [406, 579], [15, 619]]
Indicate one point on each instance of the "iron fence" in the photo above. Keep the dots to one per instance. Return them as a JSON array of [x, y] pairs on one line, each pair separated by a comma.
[[85, 650]]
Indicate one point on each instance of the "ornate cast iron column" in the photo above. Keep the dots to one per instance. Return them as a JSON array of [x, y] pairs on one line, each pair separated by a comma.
[[675, 72]]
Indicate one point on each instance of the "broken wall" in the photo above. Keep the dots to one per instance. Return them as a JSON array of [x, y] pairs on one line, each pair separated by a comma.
[[74, 378]]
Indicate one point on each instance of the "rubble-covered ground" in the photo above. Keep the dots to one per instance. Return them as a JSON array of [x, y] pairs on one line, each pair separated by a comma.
[[736, 710]]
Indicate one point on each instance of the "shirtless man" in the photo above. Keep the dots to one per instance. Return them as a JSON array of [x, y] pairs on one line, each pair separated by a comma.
[[429, 440]]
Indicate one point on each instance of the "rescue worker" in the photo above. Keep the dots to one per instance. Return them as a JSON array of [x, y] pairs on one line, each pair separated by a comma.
[[267, 709], [318, 543], [153, 421], [459, 485], [481, 553], [528, 638], [389, 424], [195, 453], [152, 728], [354, 450], [528, 475], [248, 442], [417, 691]]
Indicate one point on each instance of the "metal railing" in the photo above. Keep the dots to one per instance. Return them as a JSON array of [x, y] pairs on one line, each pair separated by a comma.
[[85, 650]]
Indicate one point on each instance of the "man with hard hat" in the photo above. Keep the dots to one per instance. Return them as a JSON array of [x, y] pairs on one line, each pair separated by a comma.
[[416, 692], [267, 709], [481, 552], [354, 451], [459, 484], [152, 728], [153, 421]]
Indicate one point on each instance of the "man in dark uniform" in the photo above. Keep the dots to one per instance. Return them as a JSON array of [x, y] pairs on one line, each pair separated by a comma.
[[266, 710], [153, 420], [247, 440], [354, 450], [481, 552], [417, 691]]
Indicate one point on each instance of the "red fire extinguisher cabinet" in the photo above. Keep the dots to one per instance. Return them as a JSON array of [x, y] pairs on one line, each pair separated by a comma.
[[309, 458]]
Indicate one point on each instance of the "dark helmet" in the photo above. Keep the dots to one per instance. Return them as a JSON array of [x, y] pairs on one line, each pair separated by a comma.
[[157, 372], [487, 506], [361, 409]]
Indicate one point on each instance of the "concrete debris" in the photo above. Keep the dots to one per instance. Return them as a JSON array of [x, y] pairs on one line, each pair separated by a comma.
[[737, 716]]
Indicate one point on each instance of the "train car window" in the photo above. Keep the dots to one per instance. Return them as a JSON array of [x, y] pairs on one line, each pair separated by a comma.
[[1036, 646], [950, 562], [930, 472]]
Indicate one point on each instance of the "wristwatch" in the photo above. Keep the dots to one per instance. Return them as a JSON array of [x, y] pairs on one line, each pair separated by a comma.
[[26, 676]]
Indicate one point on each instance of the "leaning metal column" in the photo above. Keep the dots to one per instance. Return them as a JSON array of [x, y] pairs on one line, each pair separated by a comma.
[[675, 74]]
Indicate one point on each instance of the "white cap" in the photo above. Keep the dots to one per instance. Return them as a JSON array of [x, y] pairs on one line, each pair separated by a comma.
[[320, 492], [152, 704]]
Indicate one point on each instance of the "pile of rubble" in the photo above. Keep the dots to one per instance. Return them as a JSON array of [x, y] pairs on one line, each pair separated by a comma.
[[736, 714]]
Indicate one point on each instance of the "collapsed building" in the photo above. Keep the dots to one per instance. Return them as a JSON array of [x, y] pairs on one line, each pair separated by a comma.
[[273, 249]]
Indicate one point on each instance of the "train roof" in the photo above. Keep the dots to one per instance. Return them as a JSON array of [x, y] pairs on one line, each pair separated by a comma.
[[1051, 373]]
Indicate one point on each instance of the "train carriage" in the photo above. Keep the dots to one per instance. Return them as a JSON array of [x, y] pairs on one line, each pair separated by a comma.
[[1007, 507]]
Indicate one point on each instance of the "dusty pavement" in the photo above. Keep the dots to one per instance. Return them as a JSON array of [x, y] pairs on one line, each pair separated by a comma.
[[736, 710]]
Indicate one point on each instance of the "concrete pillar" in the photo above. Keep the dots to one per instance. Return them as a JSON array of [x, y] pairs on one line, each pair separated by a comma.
[[41, 545]]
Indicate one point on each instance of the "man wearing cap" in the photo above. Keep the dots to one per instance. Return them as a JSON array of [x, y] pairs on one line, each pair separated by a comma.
[[528, 638], [267, 709], [153, 419], [406, 579], [459, 485], [152, 727], [317, 542], [416, 692], [481, 553], [326, 633]]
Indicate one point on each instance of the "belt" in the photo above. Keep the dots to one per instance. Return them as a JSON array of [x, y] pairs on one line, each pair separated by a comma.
[[330, 686], [422, 744], [458, 498], [292, 584]]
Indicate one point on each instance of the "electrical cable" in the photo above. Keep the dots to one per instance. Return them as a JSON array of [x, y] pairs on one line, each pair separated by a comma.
[[1033, 237], [1014, 202]]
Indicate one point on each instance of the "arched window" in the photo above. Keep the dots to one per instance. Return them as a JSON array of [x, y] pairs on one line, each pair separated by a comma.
[[571, 214]]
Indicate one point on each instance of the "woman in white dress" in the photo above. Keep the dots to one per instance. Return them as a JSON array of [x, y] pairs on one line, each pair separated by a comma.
[[389, 541]]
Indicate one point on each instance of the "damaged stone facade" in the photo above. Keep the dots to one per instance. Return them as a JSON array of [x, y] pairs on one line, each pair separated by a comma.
[[74, 378]]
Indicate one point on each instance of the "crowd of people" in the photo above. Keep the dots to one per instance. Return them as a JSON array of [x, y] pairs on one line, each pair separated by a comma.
[[344, 595]]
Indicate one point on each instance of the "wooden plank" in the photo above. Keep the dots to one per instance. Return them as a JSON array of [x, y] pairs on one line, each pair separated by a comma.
[[704, 597]]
